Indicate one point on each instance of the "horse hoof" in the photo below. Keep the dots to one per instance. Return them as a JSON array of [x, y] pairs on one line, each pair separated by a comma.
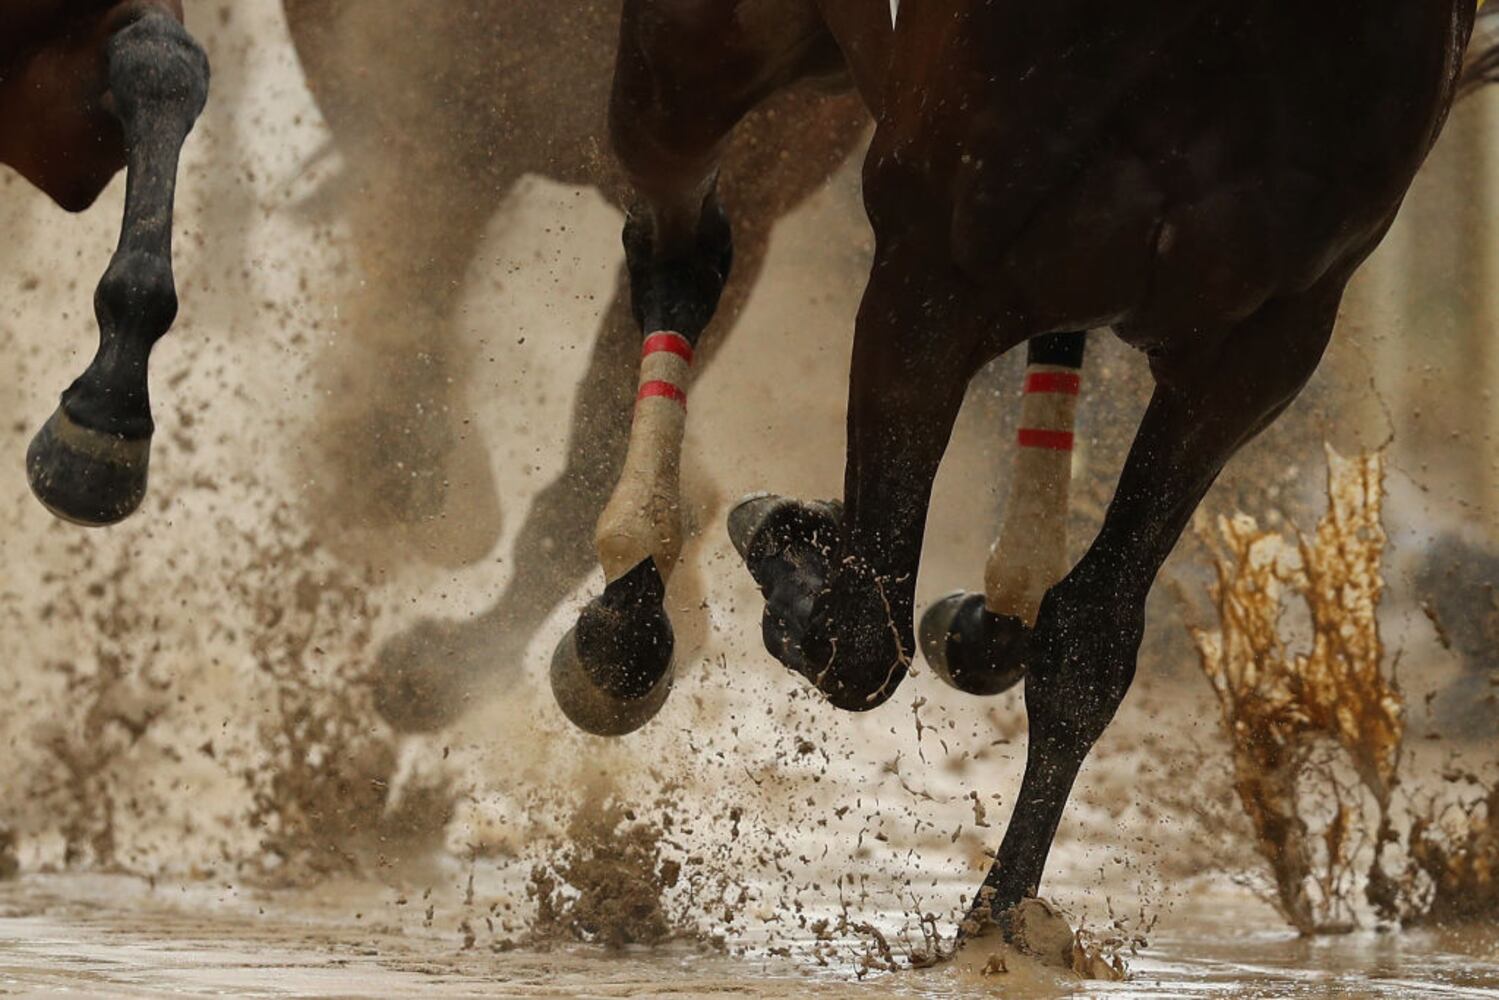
[[85, 476], [748, 516], [970, 648], [612, 672], [752, 515], [418, 683], [590, 706]]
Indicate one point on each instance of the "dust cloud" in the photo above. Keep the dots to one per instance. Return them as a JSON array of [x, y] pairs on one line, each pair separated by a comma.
[[367, 399]]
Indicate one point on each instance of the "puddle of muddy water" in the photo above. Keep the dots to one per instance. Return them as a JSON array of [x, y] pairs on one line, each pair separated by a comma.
[[116, 936]]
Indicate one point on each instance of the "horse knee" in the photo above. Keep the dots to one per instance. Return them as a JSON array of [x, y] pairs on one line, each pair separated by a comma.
[[156, 68]]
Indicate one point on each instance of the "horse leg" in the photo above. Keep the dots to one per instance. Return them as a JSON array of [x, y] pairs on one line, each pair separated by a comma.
[[840, 580], [88, 462], [687, 73], [395, 458], [427, 676], [1081, 656], [964, 635]]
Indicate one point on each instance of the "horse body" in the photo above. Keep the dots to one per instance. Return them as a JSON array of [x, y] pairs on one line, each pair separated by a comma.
[[86, 89], [1204, 177], [54, 127], [1275, 154]]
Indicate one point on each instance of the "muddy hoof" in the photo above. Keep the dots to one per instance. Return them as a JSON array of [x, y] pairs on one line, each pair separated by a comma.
[[763, 521], [612, 672], [590, 706], [970, 648], [420, 685], [86, 476]]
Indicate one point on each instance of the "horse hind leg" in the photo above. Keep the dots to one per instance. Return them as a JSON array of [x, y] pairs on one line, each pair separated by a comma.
[[1081, 656], [673, 105], [88, 463], [972, 641]]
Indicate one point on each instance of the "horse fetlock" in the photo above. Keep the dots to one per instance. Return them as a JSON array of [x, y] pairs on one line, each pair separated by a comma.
[[1031, 552], [643, 519], [642, 523], [157, 70]]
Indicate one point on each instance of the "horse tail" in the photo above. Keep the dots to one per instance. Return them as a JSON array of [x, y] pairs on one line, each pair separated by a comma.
[[1482, 64]]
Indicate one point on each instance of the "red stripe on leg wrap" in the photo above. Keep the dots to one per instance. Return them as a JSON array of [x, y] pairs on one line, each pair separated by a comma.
[[668, 341], [1031, 437], [662, 390], [1066, 383]]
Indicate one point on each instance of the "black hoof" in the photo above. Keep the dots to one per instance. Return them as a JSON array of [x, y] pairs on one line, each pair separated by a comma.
[[788, 547], [420, 681], [612, 672], [86, 476], [970, 648], [763, 525]]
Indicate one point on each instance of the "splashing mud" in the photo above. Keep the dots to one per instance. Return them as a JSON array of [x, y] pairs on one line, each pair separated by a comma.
[[1284, 709], [1453, 847], [607, 884], [322, 793], [1301, 722]]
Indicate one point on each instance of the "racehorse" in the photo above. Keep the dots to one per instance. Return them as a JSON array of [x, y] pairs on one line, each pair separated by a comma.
[[1202, 178], [86, 89], [438, 119]]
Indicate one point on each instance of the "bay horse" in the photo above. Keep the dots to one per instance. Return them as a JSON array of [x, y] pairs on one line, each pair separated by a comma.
[[1202, 178], [88, 88], [438, 118]]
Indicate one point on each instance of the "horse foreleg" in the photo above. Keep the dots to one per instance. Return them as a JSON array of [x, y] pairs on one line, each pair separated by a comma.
[[88, 462], [971, 640], [840, 580], [1081, 656]]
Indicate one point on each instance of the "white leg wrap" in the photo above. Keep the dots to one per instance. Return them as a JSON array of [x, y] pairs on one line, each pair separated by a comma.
[[1031, 553], [643, 518]]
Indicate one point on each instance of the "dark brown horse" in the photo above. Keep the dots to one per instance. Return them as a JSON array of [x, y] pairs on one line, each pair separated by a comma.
[[88, 87], [1202, 177]]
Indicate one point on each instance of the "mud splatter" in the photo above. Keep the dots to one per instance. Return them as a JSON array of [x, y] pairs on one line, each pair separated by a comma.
[[323, 792], [608, 885], [1285, 710]]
